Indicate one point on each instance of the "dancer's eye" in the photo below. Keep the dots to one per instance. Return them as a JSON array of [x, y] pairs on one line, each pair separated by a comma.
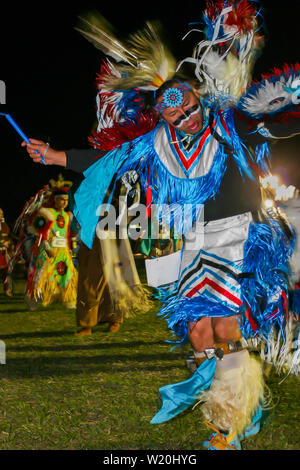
[[186, 114]]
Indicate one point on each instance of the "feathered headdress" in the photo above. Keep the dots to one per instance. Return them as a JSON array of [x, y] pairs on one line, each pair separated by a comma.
[[143, 61], [31, 206], [275, 96], [42, 198], [60, 186], [224, 59], [121, 114]]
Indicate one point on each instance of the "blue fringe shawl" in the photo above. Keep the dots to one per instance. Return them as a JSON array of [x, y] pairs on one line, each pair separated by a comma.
[[140, 155]]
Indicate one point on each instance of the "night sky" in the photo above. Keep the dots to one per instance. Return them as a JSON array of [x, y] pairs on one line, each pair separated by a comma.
[[49, 70]]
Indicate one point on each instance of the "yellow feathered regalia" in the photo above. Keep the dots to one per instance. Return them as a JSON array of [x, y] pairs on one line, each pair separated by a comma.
[[52, 276]]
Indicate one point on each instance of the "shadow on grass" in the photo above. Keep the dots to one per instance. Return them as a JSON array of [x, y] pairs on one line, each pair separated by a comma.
[[86, 347], [14, 304], [4, 300], [37, 334], [13, 310], [49, 366], [19, 299]]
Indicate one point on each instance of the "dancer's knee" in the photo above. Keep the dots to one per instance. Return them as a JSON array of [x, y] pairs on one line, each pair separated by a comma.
[[201, 334], [226, 329]]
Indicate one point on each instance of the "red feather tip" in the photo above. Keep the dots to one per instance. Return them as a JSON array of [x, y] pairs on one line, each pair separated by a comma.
[[241, 16], [112, 137], [105, 71], [285, 70]]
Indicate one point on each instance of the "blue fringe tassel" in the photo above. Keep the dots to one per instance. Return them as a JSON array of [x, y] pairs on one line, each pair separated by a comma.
[[266, 255], [295, 307], [262, 154], [239, 148]]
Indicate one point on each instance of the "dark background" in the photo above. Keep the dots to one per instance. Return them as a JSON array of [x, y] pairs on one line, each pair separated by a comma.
[[49, 70]]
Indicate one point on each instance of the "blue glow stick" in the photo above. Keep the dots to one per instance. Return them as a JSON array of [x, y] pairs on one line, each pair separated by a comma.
[[19, 131]]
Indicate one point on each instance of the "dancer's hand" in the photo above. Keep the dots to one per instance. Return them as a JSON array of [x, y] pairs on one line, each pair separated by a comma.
[[51, 156]]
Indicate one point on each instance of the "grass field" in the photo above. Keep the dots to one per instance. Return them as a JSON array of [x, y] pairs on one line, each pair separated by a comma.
[[62, 392]]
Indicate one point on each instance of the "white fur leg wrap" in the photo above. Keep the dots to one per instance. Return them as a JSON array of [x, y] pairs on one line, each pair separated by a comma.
[[235, 392]]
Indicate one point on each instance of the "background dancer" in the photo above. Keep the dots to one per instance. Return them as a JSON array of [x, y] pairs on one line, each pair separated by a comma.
[[52, 276], [6, 253]]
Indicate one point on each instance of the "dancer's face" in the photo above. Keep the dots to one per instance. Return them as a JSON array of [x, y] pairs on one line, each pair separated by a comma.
[[61, 202], [187, 117]]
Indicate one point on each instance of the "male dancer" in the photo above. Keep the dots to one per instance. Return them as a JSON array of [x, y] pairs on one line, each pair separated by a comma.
[[233, 286]]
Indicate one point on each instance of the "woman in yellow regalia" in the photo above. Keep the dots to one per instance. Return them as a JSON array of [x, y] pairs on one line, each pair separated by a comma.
[[53, 276]]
